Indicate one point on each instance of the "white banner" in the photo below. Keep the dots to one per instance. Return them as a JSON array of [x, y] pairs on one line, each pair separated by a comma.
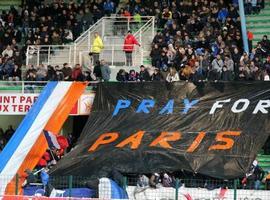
[[184, 193], [19, 104], [16, 104]]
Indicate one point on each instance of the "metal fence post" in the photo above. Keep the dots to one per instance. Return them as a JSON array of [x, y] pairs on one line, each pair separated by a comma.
[[38, 57], [153, 27], [49, 52], [235, 189], [70, 181], [176, 188], [17, 185], [124, 183]]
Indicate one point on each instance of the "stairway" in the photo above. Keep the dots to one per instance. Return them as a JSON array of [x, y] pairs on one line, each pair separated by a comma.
[[5, 4], [264, 162], [259, 24]]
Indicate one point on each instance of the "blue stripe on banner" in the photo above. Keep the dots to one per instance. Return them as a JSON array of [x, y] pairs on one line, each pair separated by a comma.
[[25, 125]]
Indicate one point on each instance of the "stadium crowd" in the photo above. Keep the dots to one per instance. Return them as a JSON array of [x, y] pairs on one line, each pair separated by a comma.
[[41, 23], [199, 40], [202, 40]]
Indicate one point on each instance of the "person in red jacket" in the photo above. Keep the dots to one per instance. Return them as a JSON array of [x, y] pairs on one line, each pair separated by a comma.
[[128, 48]]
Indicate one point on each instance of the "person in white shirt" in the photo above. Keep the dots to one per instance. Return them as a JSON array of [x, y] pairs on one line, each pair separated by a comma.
[[8, 51], [172, 75]]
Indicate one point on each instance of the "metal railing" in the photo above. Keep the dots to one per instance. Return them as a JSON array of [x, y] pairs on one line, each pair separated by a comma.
[[50, 55], [58, 55], [113, 55], [30, 86], [190, 189], [112, 31]]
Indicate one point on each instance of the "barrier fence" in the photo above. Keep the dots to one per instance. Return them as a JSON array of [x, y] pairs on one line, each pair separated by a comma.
[[30, 86], [181, 189]]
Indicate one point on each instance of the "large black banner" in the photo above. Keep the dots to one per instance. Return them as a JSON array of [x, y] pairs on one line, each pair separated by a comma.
[[215, 129]]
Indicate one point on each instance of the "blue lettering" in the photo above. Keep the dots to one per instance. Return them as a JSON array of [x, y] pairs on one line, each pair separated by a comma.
[[145, 105], [121, 104], [189, 105], [168, 108]]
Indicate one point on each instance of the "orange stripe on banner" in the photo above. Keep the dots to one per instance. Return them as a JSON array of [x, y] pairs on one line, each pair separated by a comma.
[[54, 125]]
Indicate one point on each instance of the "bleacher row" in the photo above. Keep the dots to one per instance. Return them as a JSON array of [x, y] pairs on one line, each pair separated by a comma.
[[186, 42]]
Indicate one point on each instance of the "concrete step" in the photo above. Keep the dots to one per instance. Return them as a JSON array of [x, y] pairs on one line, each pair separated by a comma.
[[259, 30], [258, 26], [5, 4], [259, 15], [258, 20]]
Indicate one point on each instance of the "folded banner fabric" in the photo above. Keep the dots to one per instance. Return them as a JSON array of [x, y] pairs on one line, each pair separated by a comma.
[[215, 129], [28, 143]]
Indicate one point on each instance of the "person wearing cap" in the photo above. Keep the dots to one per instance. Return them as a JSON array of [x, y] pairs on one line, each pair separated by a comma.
[[128, 47]]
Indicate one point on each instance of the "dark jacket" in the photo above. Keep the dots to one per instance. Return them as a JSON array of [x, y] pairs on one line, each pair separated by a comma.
[[144, 75]]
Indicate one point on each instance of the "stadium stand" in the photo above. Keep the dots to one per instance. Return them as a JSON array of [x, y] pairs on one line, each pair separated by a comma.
[[184, 40], [194, 41]]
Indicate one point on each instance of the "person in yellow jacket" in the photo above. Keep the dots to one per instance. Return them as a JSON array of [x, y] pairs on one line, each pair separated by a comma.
[[96, 48]]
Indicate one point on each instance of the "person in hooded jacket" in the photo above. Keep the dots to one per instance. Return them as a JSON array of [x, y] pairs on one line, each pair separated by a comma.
[[128, 47]]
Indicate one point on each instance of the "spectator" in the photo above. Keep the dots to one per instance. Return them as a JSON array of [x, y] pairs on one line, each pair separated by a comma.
[[51, 73], [265, 44], [105, 71], [67, 72], [8, 52], [155, 55], [266, 76], [186, 73], [16, 74], [8, 69], [217, 66], [133, 76], [143, 74], [77, 74], [172, 75], [68, 36], [250, 37], [41, 74], [9, 132], [59, 76], [154, 180], [96, 47], [157, 76], [108, 7], [30, 178], [97, 71], [141, 185], [128, 48], [167, 181], [122, 76], [229, 67]]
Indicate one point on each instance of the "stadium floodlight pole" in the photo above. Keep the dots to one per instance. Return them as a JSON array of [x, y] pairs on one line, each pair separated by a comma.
[[243, 25]]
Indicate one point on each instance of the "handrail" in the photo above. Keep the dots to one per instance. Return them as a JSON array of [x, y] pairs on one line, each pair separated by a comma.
[[146, 24], [51, 45], [89, 29], [35, 53], [81, 45]]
